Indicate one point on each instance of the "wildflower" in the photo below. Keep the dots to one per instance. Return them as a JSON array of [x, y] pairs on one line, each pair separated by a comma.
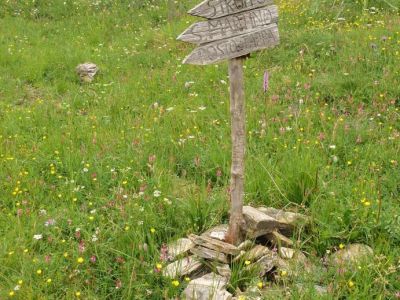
[[164, 252], [11, 293], [157, 193], [65, 254], [341, 246], [241, 297], [50, 222], [80, 260], [350, 284], [187, 279], [367, 203], [152, 230], [266, 81], [77, 294], [158, 266], [48, 280], [39, 271], [247, 262], [175, 283], [38, 236], [118, 284], [20, 282], [93, 259], [283, 273], [260, 285], [17, 287]]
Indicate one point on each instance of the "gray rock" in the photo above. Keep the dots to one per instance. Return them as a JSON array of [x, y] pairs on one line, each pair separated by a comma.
[[279, 239], [214, 244], [254, 254], [218, 232], [224, 270], [182, 267], [264, 265], [209, 254], [294, 262], [209, 287], [246, 245], [286, 253], [351, 254], [257, 223], [87, 71], [179, 247], [287, 220]]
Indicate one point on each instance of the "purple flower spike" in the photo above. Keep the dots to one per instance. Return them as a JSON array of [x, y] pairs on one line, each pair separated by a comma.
[[266, 81]]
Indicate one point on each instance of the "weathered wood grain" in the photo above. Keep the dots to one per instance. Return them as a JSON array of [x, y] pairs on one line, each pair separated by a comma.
[[212, 9], [230, 26], [234, 47]]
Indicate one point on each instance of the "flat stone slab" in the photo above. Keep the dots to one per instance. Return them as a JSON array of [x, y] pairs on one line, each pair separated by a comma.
[[286, 253], [246, 245], [279, 239], [224, 270], [258, 223], [287, 220], [179, 247], [218, 232], [214, 244], [209, 254], [209, 287], [182, 267], [264, 265], [254, 254]]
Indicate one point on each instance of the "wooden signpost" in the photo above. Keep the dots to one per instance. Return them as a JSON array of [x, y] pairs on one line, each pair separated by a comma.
[[234, 29]]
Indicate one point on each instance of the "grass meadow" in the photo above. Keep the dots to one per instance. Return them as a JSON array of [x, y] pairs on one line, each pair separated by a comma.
[[95, 178]]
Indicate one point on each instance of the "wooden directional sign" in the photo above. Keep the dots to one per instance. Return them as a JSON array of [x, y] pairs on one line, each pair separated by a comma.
[[235, 28]]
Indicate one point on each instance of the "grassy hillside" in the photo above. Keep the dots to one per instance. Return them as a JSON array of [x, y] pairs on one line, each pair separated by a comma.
[[96, 177]]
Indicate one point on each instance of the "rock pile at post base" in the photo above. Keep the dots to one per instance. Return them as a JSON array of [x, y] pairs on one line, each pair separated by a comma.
[[207, 259]]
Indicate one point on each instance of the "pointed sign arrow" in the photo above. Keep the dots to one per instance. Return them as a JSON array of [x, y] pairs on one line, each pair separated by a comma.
[[212, 9], [230, 26], [233, 47]]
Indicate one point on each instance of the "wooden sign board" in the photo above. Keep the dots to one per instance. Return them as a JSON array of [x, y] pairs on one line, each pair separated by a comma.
[[235, 28], [230, 26], [234, 47], [212, 9]]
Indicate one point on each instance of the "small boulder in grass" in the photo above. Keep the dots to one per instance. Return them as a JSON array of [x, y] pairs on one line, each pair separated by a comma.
[[351, 254], [209, 287], [87, 71]]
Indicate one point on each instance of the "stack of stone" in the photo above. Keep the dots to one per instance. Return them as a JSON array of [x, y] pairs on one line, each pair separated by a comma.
[[207, 259]]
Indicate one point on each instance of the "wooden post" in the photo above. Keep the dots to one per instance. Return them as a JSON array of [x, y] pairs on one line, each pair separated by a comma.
[[238, 127]]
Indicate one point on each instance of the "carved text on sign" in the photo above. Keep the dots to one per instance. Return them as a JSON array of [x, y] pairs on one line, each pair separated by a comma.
[[234, 47], [212, 9], [229, 26]]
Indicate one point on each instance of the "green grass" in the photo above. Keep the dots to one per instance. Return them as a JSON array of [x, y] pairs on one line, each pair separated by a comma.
[[324, 137]]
